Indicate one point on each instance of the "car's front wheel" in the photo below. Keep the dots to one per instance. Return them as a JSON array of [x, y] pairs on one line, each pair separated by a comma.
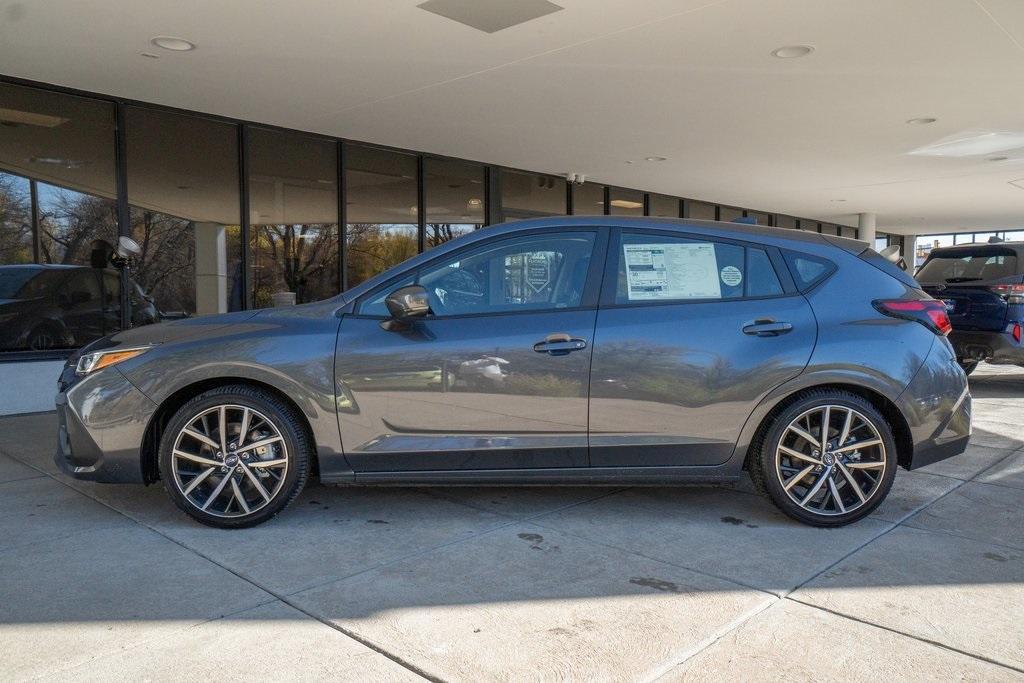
[[827, 459], [234, 456]]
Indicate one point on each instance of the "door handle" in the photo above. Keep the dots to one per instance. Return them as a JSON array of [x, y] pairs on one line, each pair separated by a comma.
[[559, 344], [766, 327]]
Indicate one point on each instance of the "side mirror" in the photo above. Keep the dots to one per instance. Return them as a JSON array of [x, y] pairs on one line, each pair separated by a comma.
[[406, 304]]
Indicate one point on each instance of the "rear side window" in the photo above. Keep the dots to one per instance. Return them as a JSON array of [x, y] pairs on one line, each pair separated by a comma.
[[888, 267], [659, 268], [969, 264], [808, 270]]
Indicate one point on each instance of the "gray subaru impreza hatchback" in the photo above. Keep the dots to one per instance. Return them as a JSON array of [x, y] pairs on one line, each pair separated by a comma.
[[568, 350]]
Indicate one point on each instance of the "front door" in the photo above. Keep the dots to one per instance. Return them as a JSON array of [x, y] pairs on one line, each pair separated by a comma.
[[495, 377], [692, 333]]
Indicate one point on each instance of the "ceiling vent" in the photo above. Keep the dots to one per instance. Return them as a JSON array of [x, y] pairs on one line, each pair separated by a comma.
[[490, 16]]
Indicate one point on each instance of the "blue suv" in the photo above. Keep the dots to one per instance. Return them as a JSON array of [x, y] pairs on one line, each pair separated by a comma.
[[982, 286]]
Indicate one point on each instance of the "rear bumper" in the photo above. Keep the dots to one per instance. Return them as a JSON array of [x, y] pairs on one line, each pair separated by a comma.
[[994, 347], [101, 421], [937, 406]]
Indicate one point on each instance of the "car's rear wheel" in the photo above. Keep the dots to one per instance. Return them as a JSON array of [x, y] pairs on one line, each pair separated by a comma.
[[234, 456], [828, 459]]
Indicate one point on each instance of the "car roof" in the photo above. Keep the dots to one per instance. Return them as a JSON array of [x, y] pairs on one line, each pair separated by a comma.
[[975, 245], [41, 266]]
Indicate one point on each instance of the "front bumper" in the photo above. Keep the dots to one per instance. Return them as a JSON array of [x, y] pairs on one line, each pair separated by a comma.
[[999, 348], [101, 422], [937, 405]]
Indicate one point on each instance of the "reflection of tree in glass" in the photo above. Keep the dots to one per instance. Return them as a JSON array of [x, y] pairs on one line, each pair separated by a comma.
[[166, 266], [375, 247], [15, 220], [295, 258], [69, 221]]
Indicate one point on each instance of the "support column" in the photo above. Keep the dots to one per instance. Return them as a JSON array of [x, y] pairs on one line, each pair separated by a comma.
[[866, 228], [910, 251], [211, 269]]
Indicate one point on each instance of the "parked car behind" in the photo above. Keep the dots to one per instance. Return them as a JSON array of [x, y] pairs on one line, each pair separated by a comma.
[[982, 286], [570, 350], [45, 307]]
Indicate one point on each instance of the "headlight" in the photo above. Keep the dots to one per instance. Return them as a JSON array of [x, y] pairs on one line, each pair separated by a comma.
[[97, 360]]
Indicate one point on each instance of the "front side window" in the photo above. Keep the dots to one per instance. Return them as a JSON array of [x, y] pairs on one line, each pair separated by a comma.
[[528, 273], [657, 268]]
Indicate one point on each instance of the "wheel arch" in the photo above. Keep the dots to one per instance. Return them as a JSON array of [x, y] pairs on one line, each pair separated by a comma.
[[755, 430], [149, 451]]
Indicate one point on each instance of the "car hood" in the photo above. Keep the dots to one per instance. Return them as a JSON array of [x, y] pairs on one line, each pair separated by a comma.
[[179, 330]]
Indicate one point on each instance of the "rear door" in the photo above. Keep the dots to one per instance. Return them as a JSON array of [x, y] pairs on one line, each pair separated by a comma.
[[692, 332], [967, 279]]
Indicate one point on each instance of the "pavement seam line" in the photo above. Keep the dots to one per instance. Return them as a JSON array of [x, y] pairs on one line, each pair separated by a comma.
[[691, 652], [395, 658], [912, 636]]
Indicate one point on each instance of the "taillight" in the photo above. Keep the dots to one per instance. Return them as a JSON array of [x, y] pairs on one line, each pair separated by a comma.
[[1016, 332], [1014, 294], [929, 312]]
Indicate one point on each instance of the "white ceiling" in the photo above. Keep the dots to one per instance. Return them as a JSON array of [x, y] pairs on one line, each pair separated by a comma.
[[601, 83]]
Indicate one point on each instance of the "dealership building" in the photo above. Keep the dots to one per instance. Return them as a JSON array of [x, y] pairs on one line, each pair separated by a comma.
[[255, 172]]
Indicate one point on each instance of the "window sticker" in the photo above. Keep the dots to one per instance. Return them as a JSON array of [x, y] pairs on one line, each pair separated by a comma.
[[671, 271], [731, 276]]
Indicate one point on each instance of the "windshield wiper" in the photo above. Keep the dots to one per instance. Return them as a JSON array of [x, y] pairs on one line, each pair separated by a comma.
[[962, 279]]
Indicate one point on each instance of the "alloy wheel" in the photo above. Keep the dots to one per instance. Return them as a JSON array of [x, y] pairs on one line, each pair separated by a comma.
[[830, 460], [229, 461]]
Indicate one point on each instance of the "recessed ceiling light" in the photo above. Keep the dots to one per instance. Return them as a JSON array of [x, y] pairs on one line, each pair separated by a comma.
[[149, 55], [57, 161], [473, 201], [923, 121], [839, 200], [173, 44], [656, 158], [792, 51]]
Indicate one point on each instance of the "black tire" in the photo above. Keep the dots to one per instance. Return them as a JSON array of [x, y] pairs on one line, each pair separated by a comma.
[[767, 474], [968, 366], [297, 451]]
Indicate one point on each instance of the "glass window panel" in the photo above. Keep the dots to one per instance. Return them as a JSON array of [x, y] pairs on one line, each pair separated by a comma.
[[454, 194], [539, 272], [382, 208], [700, 210], [531, 195], [293, 214], [66, 146], [729, 213], [762, 280], [588, 199], [828, 229], [761, 217], [664, 206], [809, 225], [184, 201], [626, 202], [15, 220]]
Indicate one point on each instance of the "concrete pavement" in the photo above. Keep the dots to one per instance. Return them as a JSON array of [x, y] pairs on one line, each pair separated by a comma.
[[112, 582]]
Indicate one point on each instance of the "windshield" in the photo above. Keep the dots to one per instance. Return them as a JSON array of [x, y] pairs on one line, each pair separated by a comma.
[[972, 264]]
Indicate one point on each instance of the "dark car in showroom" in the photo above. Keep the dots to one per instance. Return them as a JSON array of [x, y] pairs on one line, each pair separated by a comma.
[[982, 287], [50, 306], [569, 350]]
